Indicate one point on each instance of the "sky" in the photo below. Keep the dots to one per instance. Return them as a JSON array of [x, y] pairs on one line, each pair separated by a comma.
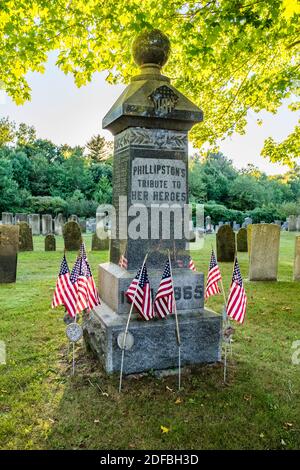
[[64, 113]]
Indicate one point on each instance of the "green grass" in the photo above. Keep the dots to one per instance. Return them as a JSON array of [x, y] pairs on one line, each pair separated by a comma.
[[43, 407]]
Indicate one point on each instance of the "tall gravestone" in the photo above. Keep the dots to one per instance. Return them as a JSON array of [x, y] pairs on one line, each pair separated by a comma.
[[72, 236], [59, 222], [298, 223], [46, 224], [208, 226], [7, 218], [25, 237], [263, 252], [225, 244], [297, 259], [150, 123], [291, 223], [9, 246], [35, 223]]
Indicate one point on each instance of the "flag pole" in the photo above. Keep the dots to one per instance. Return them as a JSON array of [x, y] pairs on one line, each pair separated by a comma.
[[177, 329], [127, 324], [226, 323]]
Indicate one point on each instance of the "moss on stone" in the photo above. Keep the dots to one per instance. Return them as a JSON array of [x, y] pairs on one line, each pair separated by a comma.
[[72, 236], [50, 242], [25, 237], [225, 244], [241, 240], [99, 244]]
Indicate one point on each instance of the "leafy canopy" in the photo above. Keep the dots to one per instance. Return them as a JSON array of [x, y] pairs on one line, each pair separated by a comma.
[[228, 56]]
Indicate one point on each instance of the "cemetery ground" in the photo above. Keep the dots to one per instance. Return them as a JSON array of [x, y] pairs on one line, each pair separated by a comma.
[[43, 407]]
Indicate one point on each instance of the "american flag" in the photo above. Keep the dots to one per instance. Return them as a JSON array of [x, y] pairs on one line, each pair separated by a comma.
[[139, 293], [164, 299], [65, 293], [88, 296], [213, 277], [74, 278], [123, 263], [82, 301], [237, 299]]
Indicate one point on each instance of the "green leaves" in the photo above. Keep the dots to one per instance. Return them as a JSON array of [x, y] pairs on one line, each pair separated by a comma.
[[228, 57]]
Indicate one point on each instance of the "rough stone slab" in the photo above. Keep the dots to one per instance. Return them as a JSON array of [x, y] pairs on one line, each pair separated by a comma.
[[297, 259], [264, 252], [114, 281], [155, 345], [9, 246]]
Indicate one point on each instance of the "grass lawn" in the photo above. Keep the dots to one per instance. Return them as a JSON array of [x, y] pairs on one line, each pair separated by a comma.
[[43, 407]]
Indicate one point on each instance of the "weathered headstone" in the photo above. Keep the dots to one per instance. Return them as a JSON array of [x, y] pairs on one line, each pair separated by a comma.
[[72, 236], [297, 259], [241, 240], [277, 222], [7, 218], [291, 223], [150, 122], [208, 225], [264, 252], [20, 217], [236, 227], [91, 225], [99, 244], [298, 223], [9, 246], [59, 222], [25, 237], [225, 243], [46, 224], [221, 223], [35, 223], [50, 242]]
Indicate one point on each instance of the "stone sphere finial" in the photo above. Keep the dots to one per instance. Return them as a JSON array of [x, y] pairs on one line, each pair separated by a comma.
[[151, 47]]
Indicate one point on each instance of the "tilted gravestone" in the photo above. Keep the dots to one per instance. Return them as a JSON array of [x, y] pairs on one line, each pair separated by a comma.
[[35, 223], [99, 244], [72, 236], [9, 246], [7, 218], [50, 242], [297, 259], [25, 237], [46, 224], [225, 243], [241, 240], [150, 122], [263, 252]]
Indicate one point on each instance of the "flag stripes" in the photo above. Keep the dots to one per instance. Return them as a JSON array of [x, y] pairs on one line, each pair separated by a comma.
[[213, 277], [237, 299], [65, 293], [139, 293], [164, 299]]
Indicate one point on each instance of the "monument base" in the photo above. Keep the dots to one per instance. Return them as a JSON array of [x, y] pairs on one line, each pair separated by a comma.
[[154, 342]]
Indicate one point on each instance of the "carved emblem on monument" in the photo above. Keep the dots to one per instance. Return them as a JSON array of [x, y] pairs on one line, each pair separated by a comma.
[[152, 138], [164, 100]]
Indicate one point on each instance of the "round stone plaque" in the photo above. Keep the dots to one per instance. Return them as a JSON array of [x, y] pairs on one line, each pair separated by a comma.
[[129, 340], [74, 332]]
